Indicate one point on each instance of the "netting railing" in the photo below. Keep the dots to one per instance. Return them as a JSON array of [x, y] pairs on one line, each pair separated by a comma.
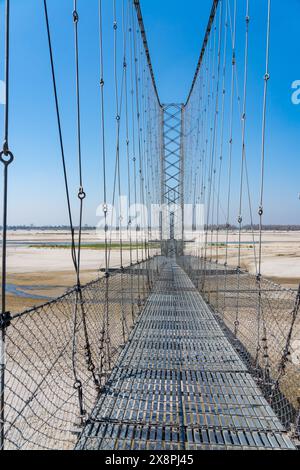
[[60, 355], [263, 321]]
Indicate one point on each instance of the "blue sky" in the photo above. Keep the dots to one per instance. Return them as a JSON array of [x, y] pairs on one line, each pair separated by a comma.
[[175, 32]]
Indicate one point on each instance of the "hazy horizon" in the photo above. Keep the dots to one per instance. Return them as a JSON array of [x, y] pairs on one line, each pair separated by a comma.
[[175, 33]]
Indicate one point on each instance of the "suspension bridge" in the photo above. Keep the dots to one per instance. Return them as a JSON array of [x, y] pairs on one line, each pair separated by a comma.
[[178, 347]]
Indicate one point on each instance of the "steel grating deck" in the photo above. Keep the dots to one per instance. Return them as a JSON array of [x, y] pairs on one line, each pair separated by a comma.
[[180, 385]]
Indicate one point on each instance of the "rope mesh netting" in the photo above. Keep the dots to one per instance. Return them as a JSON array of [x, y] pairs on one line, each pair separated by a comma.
[[225, 176], [55, 359], [60, 355], [264, 326]]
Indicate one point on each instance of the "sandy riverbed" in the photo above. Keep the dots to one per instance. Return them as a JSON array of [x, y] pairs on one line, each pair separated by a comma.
[[37, 272], [280, 254]]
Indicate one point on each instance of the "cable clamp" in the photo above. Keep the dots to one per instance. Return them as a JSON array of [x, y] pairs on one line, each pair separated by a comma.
[[75, 16], [78, 290], [5, 320]]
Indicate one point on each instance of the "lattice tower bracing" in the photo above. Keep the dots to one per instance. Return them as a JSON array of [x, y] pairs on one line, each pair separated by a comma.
[[172, 197]]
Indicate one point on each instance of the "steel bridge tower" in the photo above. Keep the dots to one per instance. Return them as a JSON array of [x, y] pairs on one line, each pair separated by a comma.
[[172, 185]]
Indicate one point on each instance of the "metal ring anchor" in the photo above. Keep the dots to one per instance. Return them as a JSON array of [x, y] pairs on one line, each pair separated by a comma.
[[81, 194], [6, 161]]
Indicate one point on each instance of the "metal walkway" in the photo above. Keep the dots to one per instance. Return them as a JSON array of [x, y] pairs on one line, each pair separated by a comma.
[[180, 384]]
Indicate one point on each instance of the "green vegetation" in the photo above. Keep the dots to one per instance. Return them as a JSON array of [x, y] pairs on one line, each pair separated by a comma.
[[220, 245]]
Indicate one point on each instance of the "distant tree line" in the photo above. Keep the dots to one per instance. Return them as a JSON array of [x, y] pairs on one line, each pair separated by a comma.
[[47, 227], [285, 228], [267, 228]]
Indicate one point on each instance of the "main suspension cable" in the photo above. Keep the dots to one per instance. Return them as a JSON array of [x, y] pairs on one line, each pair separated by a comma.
[[62, 150]]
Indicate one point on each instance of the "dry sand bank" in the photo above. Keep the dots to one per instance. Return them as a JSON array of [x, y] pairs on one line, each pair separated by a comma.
[[281, 254], [47, 272], [37, 274]]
